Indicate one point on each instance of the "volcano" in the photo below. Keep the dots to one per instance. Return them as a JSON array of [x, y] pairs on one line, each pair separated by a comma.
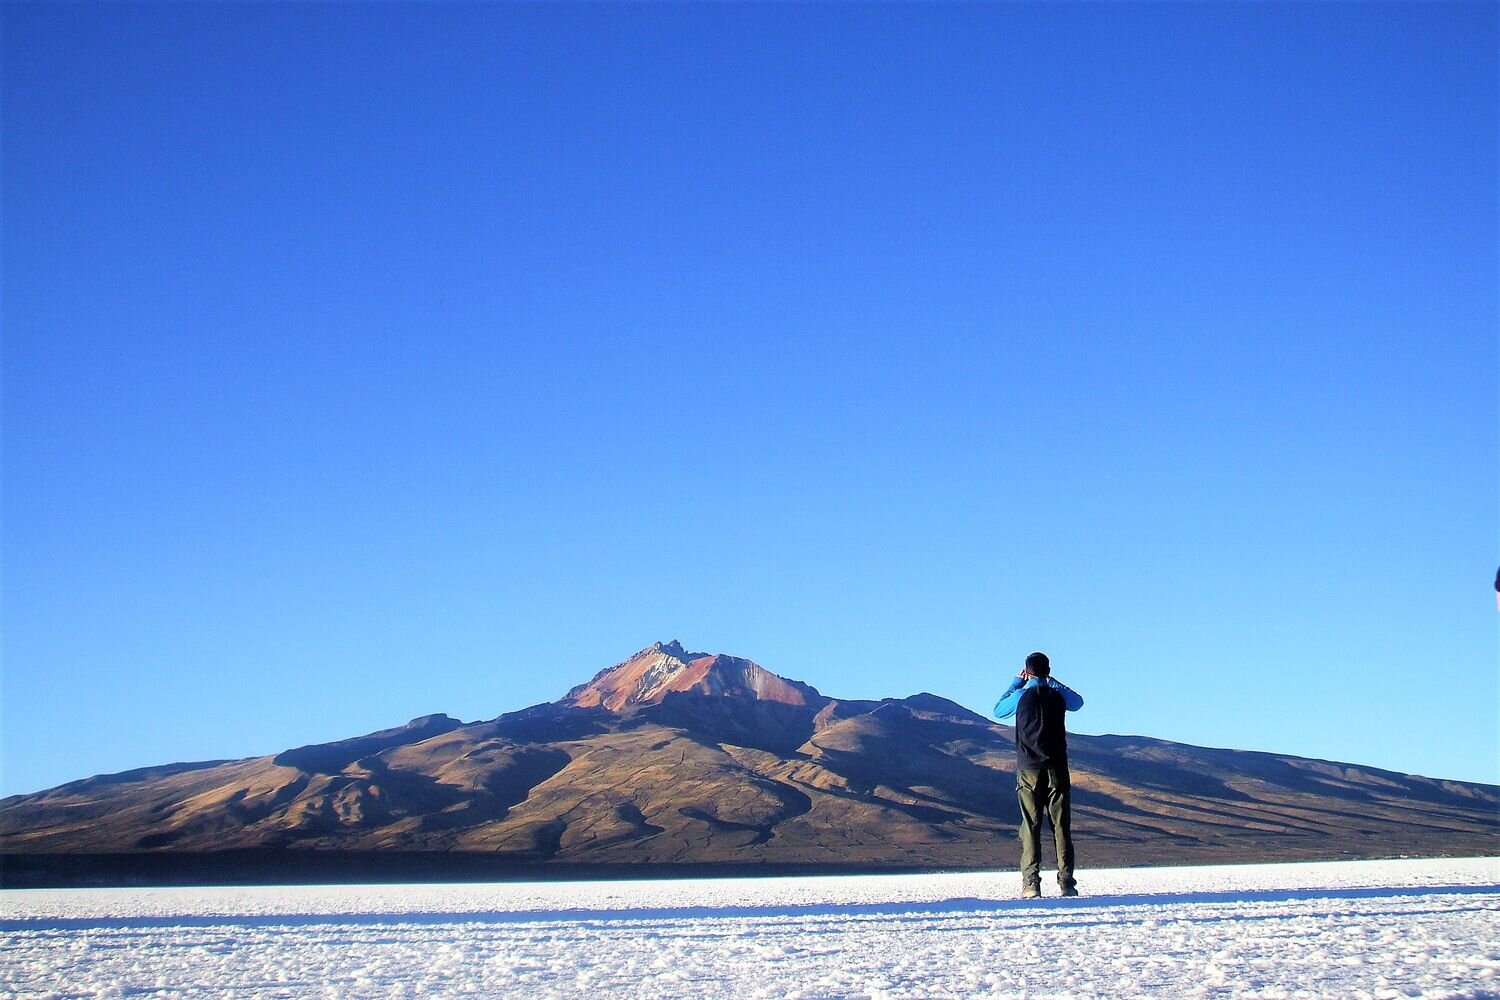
[[672, 759]]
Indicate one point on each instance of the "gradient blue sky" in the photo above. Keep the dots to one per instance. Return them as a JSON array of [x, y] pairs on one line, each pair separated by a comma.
[[362, 362]]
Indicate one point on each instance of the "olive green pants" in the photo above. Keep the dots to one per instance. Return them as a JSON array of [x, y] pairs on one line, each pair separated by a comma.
[[1045, 793]]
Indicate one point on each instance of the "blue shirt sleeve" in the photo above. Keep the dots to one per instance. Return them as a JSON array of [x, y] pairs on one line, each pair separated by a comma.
[[1072, 699], [1006, 706]]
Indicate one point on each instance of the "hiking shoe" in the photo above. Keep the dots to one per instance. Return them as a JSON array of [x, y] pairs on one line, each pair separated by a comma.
[[1070, 890], [1031, 890], [1067, 885]]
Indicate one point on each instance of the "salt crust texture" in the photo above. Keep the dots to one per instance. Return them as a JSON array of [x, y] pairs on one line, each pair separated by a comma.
[[1351, 929]]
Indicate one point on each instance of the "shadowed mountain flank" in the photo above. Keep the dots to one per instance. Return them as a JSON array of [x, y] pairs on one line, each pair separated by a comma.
[[680, 759], [331, 758]]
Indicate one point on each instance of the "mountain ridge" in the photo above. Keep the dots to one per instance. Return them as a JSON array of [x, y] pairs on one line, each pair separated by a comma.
[[672, 757]]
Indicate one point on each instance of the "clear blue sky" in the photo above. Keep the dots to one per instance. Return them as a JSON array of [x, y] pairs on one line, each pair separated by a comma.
[[362, 362]]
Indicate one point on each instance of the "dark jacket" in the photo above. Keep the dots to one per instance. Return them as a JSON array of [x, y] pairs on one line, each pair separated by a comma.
[[1039, 706]]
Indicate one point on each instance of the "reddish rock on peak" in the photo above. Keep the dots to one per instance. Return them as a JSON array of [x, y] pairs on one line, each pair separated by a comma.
[[666, 668]]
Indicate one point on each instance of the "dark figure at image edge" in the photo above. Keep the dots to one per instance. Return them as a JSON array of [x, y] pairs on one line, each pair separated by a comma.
[[1039, 703]]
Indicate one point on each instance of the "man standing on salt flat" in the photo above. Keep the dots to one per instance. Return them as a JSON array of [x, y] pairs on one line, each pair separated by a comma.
[[1039, 703]]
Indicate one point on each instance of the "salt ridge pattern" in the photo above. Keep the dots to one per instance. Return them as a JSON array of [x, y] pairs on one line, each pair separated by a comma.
[[1353, 929]]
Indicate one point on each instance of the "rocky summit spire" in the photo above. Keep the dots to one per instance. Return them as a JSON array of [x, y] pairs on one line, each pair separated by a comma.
[[666, 668]]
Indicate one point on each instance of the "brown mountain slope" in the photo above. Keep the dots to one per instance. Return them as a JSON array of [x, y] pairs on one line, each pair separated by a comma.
[[672, 757]]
